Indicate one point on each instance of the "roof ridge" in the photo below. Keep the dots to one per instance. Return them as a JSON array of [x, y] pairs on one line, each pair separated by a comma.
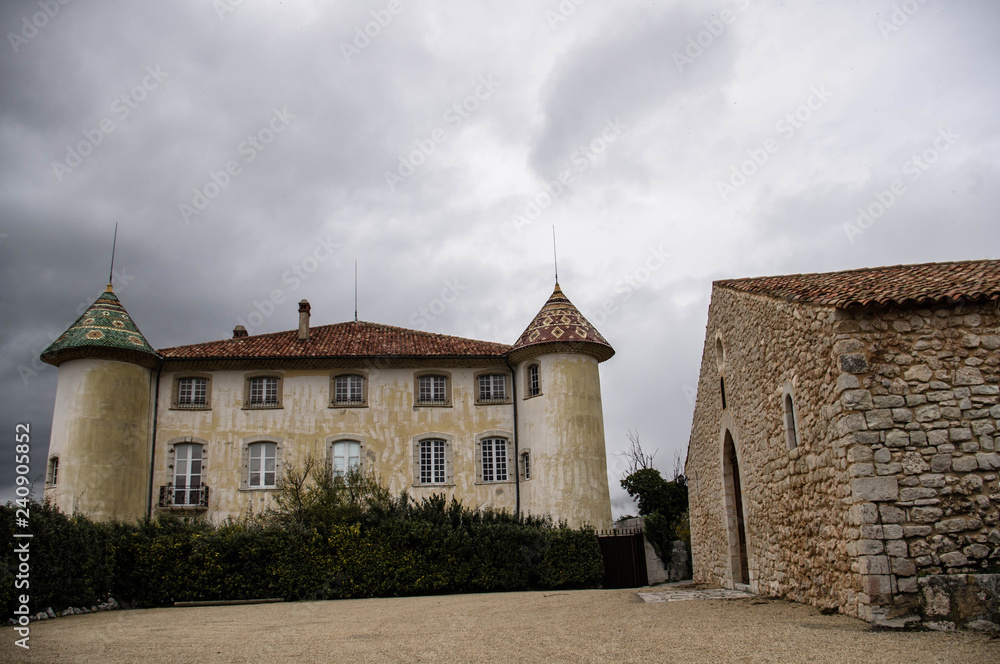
[[855, 270]]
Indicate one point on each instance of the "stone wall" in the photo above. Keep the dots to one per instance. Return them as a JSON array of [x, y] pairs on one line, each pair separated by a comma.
[[919, 399], [793, 499]]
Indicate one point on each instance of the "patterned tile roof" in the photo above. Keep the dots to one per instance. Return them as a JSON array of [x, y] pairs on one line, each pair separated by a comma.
[[561, 322], [926, 283], [104, 330], [353, 339]]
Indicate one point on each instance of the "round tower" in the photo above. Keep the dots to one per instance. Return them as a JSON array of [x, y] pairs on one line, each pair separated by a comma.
[[99, 451], [560, 419]]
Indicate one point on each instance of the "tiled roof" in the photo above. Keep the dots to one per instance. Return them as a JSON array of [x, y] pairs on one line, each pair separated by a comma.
[[353, 339], [561, 322], [925, 283], [104, 330]]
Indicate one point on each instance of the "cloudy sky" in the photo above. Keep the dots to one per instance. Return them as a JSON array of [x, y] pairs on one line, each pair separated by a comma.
[[257, 149]]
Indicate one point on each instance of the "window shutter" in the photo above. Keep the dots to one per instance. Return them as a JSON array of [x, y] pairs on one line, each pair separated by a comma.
[[449, 471]]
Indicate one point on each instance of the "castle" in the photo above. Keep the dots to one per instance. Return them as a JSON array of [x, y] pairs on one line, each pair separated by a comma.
[[208, 429], [844, 448]]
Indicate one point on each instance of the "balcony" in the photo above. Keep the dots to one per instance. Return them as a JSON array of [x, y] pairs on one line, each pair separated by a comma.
[[184, 498]]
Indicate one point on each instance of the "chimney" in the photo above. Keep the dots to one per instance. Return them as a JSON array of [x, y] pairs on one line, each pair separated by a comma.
[[239, 332], [304, 320]]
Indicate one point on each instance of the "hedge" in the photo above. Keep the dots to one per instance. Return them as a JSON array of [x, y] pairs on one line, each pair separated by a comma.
[[383, 547]]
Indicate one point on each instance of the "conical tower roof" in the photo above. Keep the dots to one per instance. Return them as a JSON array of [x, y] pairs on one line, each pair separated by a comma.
[[560, 322], [104, 331]]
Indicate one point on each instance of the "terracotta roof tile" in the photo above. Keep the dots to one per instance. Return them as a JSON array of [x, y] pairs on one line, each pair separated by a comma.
[[352, 339], [926, 283], [561, 322]]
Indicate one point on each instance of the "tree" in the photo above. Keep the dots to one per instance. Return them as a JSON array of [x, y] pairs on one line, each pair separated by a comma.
[[663, 503]]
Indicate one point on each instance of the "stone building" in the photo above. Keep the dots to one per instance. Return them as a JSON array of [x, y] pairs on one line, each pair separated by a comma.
[[208, 429], [844, 441]]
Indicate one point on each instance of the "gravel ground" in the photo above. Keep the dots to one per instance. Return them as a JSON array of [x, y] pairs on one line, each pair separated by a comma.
[[574, 626]]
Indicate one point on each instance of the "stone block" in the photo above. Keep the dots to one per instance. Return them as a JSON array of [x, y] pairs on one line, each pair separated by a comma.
[[884, 455], [982, 428], [874, 489], [915, 400], [892, 531], [970, 447], [966, 376], [903, 567], [959, 434], [937, 437], [990, 341], [955, 525], [861, 470], [913, 463], [902, 415], [889, 401], [919, 372], [896, 548], [918, 438], [847, 381], [917, 493], [842, 346], [862, 513], [954, 559], [870, 547], [877, 584], [859, 454], [977, 551], [965, 464], [941, 463], [932, 480], [879, 419], [907, 584], [893, 468], [925, 514], [856, 400], [916, 531], [873, 564], [951, 413], [988, 461], [851, 423], [927, 413], [855, 363], [891, 514], [896, 437]]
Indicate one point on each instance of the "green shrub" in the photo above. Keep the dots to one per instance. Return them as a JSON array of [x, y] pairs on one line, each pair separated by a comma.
[[329, 538]]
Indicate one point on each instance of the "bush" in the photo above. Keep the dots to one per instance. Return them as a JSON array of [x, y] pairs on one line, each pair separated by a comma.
[[329, 538]]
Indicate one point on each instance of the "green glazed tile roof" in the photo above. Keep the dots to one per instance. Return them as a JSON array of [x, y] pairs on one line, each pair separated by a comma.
[[104, 330]]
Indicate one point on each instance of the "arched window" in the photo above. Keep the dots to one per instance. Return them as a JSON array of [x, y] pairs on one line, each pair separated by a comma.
[[52, 475], [791, 435]]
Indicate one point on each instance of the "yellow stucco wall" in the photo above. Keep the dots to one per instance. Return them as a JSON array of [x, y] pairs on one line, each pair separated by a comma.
[[387, 427], [563, 427], [100, 432]]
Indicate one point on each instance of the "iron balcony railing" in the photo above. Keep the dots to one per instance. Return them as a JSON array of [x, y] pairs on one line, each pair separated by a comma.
[[195, 497]]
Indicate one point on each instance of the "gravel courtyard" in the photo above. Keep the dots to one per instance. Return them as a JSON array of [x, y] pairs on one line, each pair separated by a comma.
[[572, 626]]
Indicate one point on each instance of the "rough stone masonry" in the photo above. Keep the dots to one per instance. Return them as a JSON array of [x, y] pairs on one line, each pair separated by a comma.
[[866, 444]]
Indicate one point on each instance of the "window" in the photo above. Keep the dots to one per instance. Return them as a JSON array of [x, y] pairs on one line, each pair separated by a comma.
[[263, 465], [433, 389], [263, 391], [187, 474], [722, 390], [349, 390], [492, 388], [791, 435], [52, 474], [494, 459], [192, 391], [534, 385], [526, 465], [432, 461], [346, 456]]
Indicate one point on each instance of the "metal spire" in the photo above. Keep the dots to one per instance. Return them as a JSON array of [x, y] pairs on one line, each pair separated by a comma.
[[555, 258], [355, 291], [111, 273]]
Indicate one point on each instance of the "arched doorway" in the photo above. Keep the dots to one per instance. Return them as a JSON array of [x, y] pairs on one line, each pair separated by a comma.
[[735, 522]]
